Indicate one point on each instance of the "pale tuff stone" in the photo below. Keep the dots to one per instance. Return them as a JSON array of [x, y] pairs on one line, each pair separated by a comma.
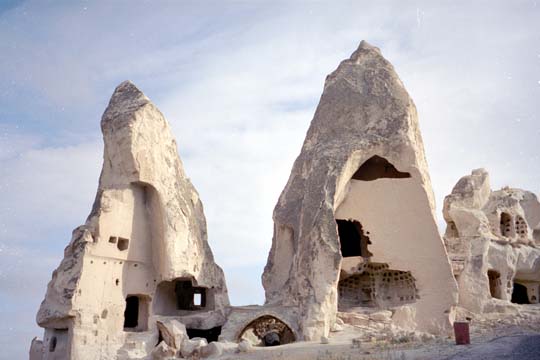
[[36, 349], [352, 318], [365, 117], [336, 327], [381, 316], [403, 317], [173, 333], [212, 350], [492, 239], [192, 347], [163, 352], [244, 346], [146, 232]]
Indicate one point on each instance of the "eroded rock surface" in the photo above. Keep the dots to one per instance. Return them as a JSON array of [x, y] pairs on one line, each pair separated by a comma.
[[360, 189], [142, 254], [492, 240]]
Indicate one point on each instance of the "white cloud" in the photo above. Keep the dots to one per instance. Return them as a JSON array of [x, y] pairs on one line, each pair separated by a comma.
[[239, 84]]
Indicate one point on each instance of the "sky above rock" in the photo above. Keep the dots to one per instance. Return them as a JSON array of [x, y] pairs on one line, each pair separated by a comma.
[[239, 83]]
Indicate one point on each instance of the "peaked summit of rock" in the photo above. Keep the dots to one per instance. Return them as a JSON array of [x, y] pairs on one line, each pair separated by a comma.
[[363, 49], [361, 177], [142, 255], [125, 101]]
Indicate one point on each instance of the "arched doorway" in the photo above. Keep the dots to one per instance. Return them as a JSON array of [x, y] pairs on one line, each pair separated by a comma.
[[267, 330]]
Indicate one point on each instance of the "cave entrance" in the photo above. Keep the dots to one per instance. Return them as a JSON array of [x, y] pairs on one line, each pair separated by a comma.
[[136, 313], [209, 334], [519, 294], [131, 313], [495, 284], [180, 295], [267, 330], [378, 167], [353, 241]]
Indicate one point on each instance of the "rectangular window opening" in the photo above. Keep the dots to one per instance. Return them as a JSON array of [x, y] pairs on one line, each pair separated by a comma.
[[197, 299], [136, 313], [123, 244]]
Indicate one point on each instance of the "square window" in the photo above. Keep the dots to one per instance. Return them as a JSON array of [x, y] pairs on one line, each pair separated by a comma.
[[123, 244]]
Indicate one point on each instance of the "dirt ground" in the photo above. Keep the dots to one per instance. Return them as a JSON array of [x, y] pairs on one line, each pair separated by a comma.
[[493, 336]]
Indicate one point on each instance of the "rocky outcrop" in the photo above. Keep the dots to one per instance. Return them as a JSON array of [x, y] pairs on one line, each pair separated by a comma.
[[143, 251], [490, 237], [362, 162]]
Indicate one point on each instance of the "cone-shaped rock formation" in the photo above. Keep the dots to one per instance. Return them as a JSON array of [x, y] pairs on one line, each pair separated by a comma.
[[355, 225], [143, 252]]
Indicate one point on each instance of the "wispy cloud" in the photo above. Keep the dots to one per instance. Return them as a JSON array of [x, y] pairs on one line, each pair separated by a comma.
[[239, 83]]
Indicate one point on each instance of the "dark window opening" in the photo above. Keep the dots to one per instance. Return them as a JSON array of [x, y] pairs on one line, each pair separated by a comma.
[[189, 297], [451, 230], [175, 297], [113, 239], [353, 241], [376, 168], [52, 344], [519, 295], [131, 314], [122, 244], [506, 224], [494, 284], [209, 334]]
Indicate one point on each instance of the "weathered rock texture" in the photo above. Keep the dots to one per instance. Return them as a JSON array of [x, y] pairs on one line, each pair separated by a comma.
[[257, 323], [492, 239], [142, 254], [362, 160]]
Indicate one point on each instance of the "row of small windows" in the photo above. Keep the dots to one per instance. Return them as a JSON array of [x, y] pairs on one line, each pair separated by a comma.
[[508, 226]]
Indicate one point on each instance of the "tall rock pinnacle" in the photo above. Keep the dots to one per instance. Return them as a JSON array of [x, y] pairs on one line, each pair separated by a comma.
[[142, 254], [358, 208]]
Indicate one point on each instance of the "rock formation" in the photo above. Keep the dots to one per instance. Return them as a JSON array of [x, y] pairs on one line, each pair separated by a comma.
[[492, 239], [355, 225], [355, 246], [142, 255]]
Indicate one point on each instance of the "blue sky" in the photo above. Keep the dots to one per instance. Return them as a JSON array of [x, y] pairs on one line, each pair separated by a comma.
[[239, 83]]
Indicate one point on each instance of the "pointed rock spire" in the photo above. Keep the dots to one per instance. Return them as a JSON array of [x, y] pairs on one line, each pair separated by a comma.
[[143, 251], [365, 122]]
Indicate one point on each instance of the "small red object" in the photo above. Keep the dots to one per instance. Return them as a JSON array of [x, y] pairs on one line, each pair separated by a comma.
[[461, 332]]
